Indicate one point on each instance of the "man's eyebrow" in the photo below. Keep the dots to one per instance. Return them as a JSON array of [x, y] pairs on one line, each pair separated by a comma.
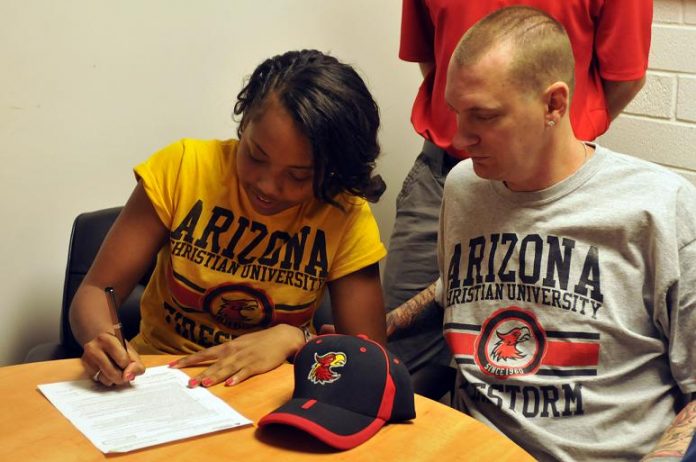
[[484, 106], [474, 108]]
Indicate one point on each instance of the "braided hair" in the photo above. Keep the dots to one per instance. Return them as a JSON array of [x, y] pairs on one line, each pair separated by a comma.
[[330, 105]]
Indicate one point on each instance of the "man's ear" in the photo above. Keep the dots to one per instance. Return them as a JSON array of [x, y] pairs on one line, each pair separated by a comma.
[[557, 101]]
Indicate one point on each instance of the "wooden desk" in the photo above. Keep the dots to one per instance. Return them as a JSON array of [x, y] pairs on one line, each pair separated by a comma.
[[31, 429]]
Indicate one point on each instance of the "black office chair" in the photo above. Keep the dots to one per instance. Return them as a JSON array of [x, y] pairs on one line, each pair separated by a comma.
[[88, 232]]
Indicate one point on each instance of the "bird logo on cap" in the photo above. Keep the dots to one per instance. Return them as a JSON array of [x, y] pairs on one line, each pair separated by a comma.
[[322, 371]]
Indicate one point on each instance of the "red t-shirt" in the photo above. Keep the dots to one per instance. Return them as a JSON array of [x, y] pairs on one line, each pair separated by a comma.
[[610, 40]]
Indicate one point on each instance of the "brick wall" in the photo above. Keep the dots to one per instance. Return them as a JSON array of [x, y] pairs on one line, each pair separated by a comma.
[[660, 123]]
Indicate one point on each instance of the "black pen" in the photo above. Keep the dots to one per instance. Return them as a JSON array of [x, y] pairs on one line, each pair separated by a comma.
[[111, 300]]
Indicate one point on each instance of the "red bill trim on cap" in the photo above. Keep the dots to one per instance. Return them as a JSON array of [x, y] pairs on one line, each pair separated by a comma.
[[332, 439]]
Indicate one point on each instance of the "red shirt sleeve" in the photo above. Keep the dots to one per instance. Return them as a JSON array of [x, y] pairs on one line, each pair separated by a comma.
[[417, 33], [622, 40]]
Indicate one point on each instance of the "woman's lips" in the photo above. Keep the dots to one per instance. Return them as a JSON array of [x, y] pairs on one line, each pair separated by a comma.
[[263, 202]]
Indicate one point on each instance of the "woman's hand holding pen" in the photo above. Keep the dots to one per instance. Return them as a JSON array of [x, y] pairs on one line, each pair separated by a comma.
[[108, 362], [108, 355], [244, 356]]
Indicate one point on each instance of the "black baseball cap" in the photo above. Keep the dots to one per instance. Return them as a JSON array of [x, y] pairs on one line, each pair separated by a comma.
[[346, 388]]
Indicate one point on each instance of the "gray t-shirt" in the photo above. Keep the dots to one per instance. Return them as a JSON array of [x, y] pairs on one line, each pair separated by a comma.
[[571, 311]]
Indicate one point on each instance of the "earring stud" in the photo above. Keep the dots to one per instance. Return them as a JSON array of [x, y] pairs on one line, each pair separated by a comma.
[[551, 123]]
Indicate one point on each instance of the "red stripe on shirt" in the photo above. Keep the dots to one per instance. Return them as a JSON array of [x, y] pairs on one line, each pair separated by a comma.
[[557, 353]]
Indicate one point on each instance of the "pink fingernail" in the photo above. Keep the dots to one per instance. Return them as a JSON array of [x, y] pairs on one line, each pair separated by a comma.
[[207, 382], [229, 382], [193, 383], [173, 363], [130, 377]]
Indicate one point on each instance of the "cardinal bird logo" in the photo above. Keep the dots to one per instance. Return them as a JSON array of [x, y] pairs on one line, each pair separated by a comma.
[[511, 343], [506, 348], [322, 370], [238, 309]]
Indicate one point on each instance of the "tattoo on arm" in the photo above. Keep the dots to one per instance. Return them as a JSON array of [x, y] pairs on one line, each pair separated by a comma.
[[407, 314], [675, 440]]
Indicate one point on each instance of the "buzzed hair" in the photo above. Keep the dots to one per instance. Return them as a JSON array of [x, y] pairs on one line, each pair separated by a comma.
[[541, 50]]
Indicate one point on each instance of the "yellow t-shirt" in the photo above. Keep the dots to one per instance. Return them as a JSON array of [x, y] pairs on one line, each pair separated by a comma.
[[227, 270]]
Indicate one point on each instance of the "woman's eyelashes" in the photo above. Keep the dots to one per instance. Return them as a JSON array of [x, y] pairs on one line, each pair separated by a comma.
[[300, 177], [296, 175], [255, 157]]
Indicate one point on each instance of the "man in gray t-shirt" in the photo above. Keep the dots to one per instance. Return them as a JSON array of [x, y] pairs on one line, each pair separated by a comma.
[[570, 301]]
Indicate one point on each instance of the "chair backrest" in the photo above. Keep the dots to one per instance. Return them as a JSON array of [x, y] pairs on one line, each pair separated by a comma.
[[88, 232]]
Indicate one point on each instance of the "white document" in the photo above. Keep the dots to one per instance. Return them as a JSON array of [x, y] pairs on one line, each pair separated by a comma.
[[156, 408]]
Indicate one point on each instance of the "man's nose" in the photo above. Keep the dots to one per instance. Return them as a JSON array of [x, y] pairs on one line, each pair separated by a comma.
[[463, 139]]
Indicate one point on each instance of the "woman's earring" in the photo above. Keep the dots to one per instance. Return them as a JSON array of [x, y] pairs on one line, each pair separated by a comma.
[[551, 123]]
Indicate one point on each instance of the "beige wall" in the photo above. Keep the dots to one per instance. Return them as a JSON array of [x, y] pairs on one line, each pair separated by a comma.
[[89, 88], [660, 124]]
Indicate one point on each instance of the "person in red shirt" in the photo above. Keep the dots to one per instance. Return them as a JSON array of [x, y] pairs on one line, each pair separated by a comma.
[[610, 41]]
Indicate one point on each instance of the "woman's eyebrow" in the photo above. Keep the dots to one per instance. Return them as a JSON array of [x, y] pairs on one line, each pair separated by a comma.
[[260, 149]]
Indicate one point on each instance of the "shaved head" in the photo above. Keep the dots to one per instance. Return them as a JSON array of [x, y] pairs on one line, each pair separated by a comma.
[[540, 50]]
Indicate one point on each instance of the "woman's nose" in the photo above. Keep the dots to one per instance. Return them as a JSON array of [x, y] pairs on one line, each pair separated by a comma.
[[269, 186]]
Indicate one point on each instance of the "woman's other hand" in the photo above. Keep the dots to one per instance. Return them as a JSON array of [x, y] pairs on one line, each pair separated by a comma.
[[245, 356]]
